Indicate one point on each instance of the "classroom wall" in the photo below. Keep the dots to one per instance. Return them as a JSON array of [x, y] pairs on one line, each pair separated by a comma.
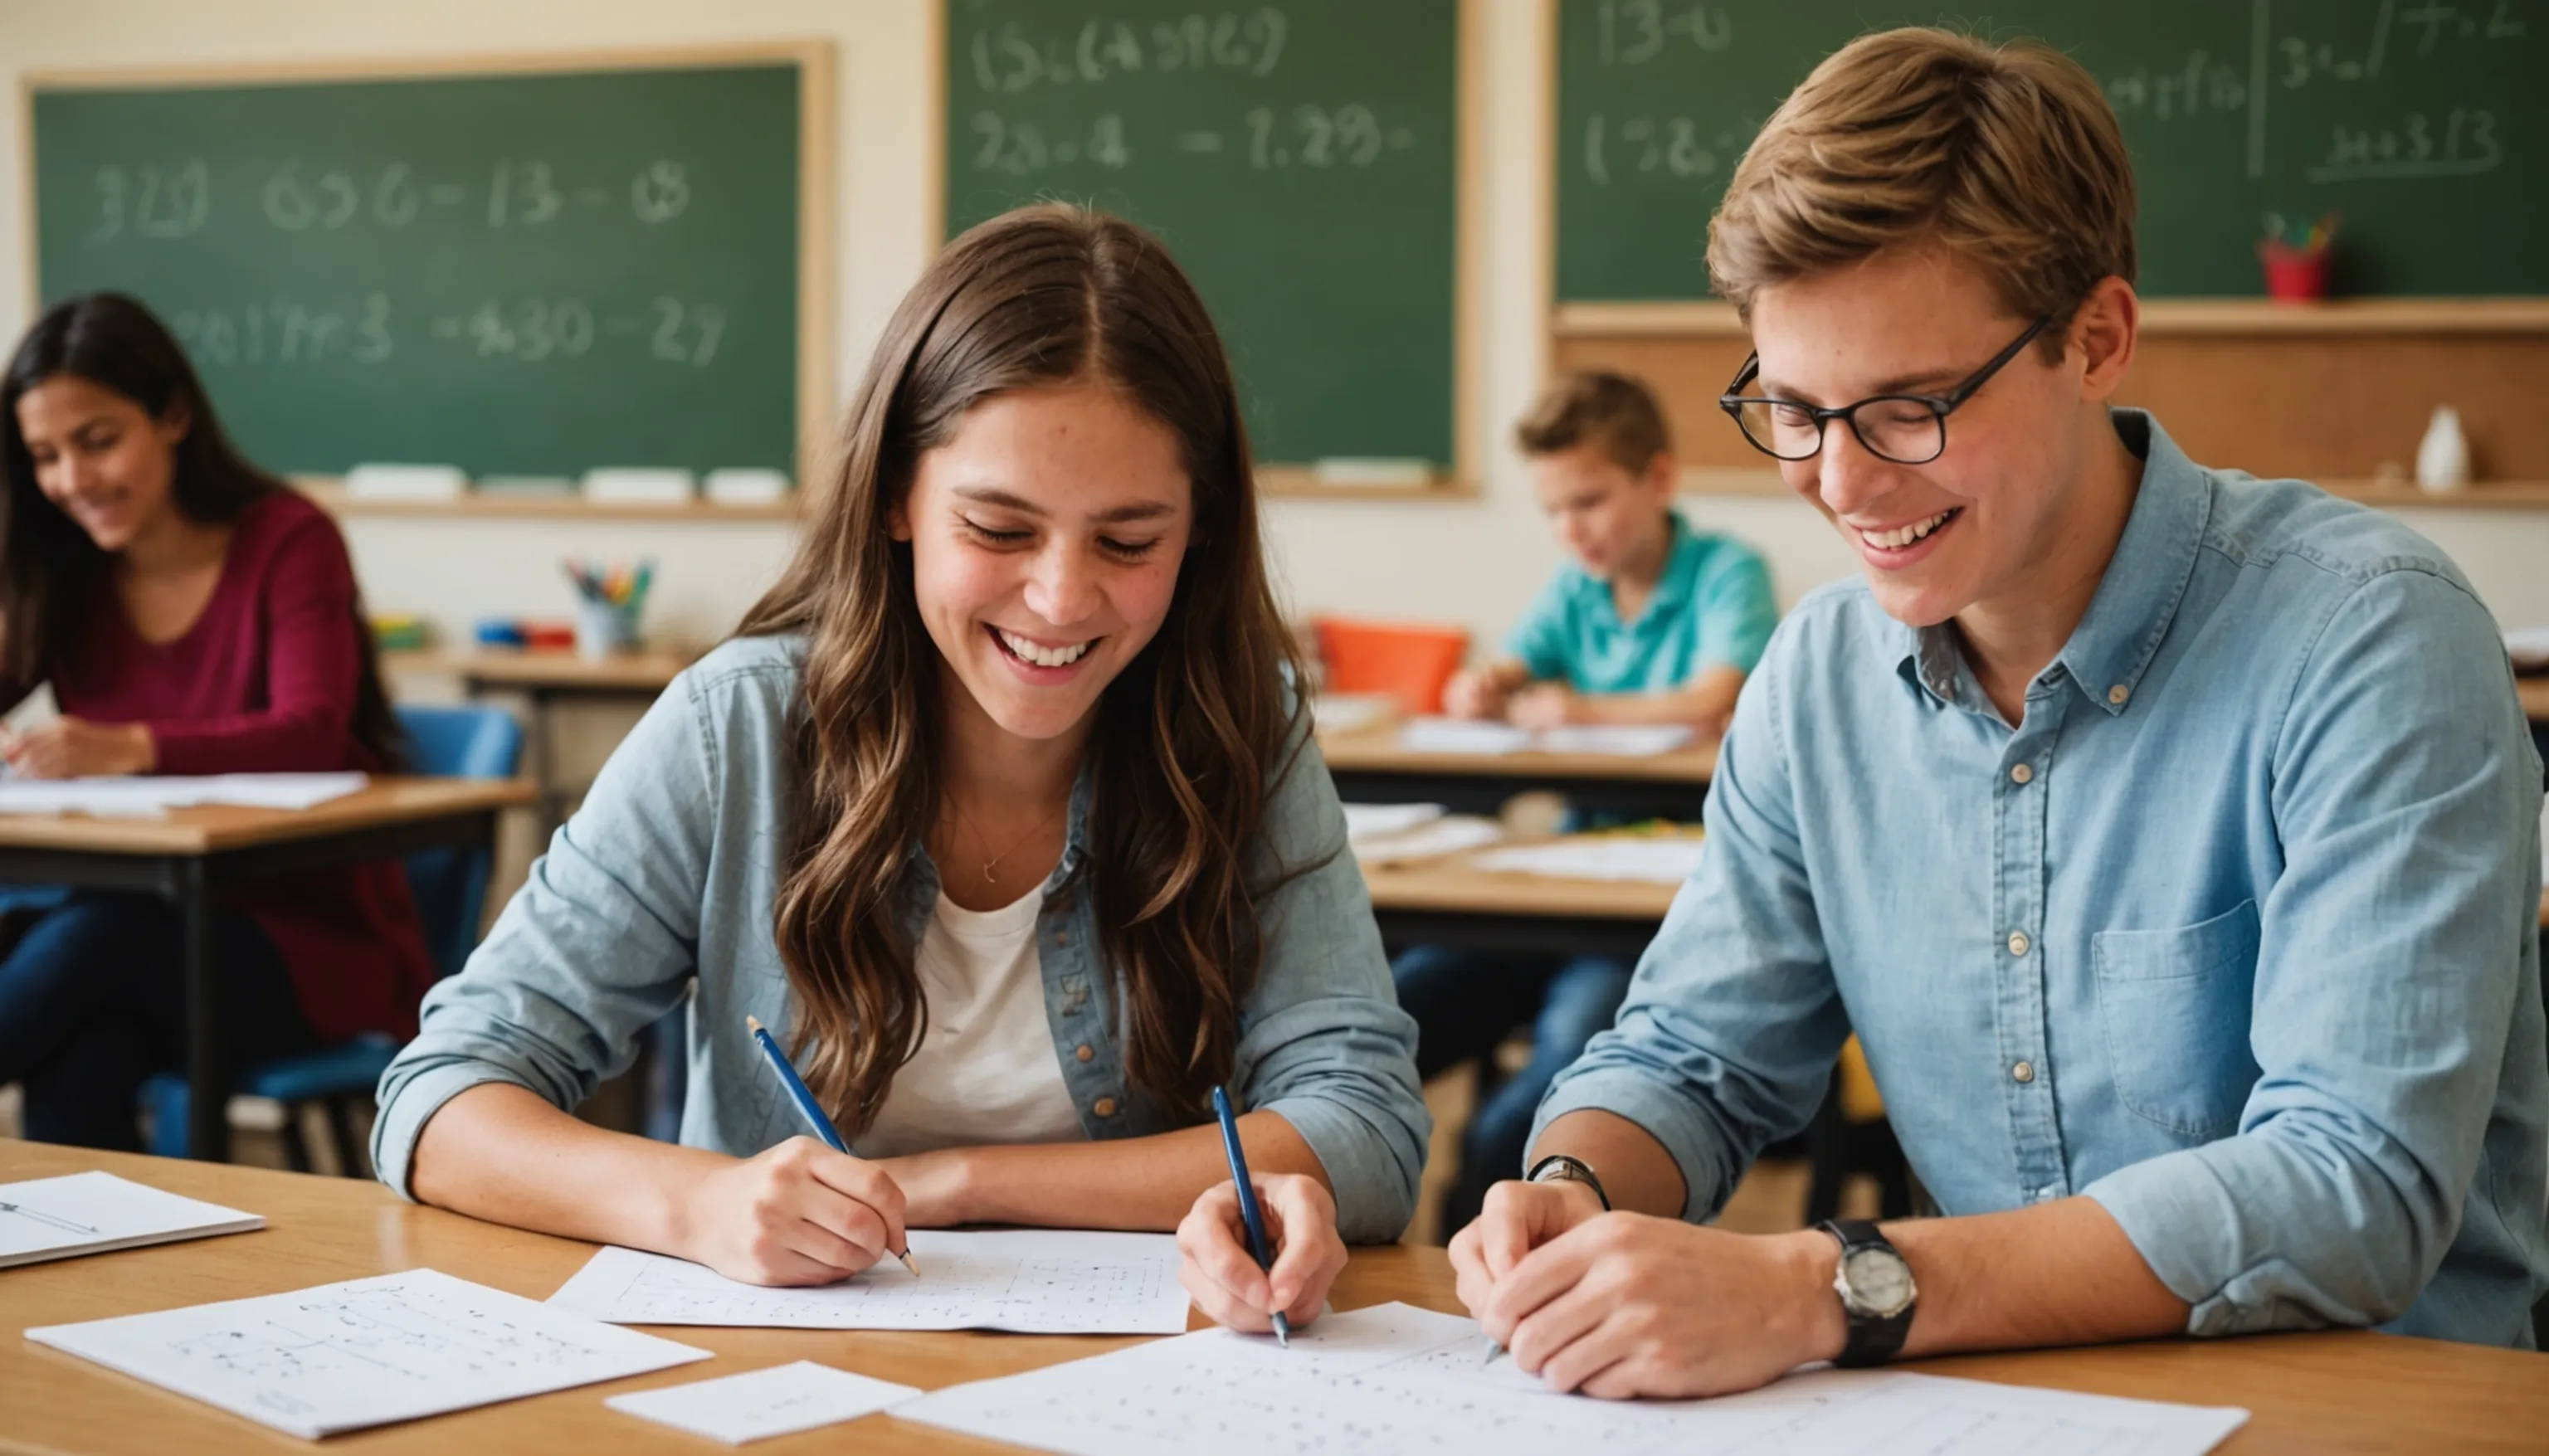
[[1472, 562]]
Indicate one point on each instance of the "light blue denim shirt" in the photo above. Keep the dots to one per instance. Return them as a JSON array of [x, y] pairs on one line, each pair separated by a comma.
[[665, 883], [2234, 933]]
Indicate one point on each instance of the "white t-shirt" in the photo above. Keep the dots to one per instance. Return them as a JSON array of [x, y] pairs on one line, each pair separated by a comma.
[[986, 1071]]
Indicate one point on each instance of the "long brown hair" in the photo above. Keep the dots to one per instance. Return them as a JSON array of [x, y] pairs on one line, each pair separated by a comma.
[[49, 566], [1191, 737]]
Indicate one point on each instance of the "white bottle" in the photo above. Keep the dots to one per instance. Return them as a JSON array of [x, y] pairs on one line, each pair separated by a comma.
[[2443, 457]]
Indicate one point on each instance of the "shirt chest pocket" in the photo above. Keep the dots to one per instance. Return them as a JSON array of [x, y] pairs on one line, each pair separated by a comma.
[[2175, 1007]]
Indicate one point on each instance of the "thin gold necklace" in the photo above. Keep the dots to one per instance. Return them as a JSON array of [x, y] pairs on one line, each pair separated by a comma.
[[990, 872]]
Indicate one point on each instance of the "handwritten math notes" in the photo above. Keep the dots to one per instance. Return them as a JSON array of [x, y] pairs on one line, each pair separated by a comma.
[[1394, 1381], [1037, 1281], [365, 1353]]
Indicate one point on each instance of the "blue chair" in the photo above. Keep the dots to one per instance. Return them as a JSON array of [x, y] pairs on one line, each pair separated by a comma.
[[450, 890]]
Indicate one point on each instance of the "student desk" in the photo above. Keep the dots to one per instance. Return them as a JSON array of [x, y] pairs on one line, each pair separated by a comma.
[[1371, 768], [2534, 692], [1450, 903], [191, 856], [543, 679], [2350, 1390]]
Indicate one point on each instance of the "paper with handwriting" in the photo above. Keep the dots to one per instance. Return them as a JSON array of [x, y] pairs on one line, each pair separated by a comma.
[[1394, 1380], [1042, 1281], [365, 1353]]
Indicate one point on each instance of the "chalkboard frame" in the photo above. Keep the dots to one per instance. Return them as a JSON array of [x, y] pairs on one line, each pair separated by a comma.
[[818, 131], [1472, 305]]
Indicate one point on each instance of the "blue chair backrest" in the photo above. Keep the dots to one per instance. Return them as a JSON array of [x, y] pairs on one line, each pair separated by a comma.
[[450, 886]]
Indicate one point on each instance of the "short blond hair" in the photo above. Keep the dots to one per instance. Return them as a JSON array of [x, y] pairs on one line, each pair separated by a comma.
[[1612, 413], [2005, 154]]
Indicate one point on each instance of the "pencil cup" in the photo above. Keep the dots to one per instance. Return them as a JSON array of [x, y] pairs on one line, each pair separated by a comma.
[[2294, 275], [602, 628]]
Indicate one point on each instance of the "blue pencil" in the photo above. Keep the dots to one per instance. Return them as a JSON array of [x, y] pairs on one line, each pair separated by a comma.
[[808, 1108], [1248, 1209]]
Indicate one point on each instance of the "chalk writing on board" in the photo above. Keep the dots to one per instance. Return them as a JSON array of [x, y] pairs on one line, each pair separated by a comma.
[[151, 200], [283, 330], [1008, 59], [2204, 86], [1635, 32]]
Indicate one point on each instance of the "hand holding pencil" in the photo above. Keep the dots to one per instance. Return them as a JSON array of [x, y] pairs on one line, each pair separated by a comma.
[[806, 1212], [1277, 1281]]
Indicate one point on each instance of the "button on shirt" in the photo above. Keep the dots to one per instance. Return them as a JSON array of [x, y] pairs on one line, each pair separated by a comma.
[[2248, 953], [1712, 608]]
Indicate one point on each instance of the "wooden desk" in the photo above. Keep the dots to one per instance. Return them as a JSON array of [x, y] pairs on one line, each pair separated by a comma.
[[1451, 902], [191, 856], [544, 678], [1370, 768], [2311, 1392]]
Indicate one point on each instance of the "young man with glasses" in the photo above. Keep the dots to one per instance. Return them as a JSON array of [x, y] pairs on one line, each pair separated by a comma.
[[2168, 837]]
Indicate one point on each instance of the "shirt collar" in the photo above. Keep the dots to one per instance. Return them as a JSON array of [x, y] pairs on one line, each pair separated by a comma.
[[2136, 597]]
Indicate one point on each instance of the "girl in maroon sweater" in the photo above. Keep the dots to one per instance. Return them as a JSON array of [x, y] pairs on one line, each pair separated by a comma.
[[194, 617]]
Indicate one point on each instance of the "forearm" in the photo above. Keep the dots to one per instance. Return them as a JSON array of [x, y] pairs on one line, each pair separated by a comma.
[[1705, 703], [1134, 1183], [2056, 1274], [1636, 1171], [500, 1152], [277, 741]]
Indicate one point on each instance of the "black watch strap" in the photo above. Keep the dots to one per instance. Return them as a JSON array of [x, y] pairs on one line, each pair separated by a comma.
[[1873, 1338], [1573, 1169]]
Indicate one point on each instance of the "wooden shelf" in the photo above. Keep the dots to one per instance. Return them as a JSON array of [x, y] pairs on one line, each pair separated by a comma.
[[1276, 483], [330, 495], [2484, 496], [2167, 317]]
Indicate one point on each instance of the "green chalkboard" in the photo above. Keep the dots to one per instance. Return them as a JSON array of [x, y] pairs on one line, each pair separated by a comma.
[[535, 273], [2425, 123], [1298, 159]]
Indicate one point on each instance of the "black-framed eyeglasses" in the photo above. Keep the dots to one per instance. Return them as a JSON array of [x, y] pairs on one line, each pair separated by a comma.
[[1908, 429]]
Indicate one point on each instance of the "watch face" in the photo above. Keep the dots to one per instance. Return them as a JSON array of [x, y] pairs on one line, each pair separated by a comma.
[[1879, 1282]]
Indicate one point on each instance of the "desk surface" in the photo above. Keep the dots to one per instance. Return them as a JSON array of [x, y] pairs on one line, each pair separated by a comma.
[[1376, 751], [215, 828], [629, 671], [1454, 883], [2308, 1392], [2534, 692]]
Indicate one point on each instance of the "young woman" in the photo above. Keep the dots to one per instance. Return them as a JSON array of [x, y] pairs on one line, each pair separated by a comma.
[[1001, 810], [194, 617]]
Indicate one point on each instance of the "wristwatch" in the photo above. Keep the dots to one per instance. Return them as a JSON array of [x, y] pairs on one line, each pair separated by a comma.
[[1558, 1168], [1876, 1293]]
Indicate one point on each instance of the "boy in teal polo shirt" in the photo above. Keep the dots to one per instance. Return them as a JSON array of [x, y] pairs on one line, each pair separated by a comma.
[[1653, 623]]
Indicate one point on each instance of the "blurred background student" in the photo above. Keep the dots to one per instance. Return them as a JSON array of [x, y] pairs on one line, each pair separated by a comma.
[[194, 615], [1652, 622]]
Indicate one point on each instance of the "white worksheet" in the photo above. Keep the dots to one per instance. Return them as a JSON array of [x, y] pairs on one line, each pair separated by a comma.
[[1394, 1380], [97, 1213], [148, 796], [365, 1353], [1039, 1280], [1448, 835], [1461, 736], [1664, 859], [778, 1402], [1370, 821], [1615, 740]]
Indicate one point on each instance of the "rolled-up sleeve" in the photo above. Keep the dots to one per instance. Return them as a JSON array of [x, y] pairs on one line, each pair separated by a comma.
[[1322, 1042], [2394, 942], [1732, 1023], [598, 945]]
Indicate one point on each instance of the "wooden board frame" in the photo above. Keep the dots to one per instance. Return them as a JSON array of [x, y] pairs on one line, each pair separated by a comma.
[[818, 133], [1470, 300]]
